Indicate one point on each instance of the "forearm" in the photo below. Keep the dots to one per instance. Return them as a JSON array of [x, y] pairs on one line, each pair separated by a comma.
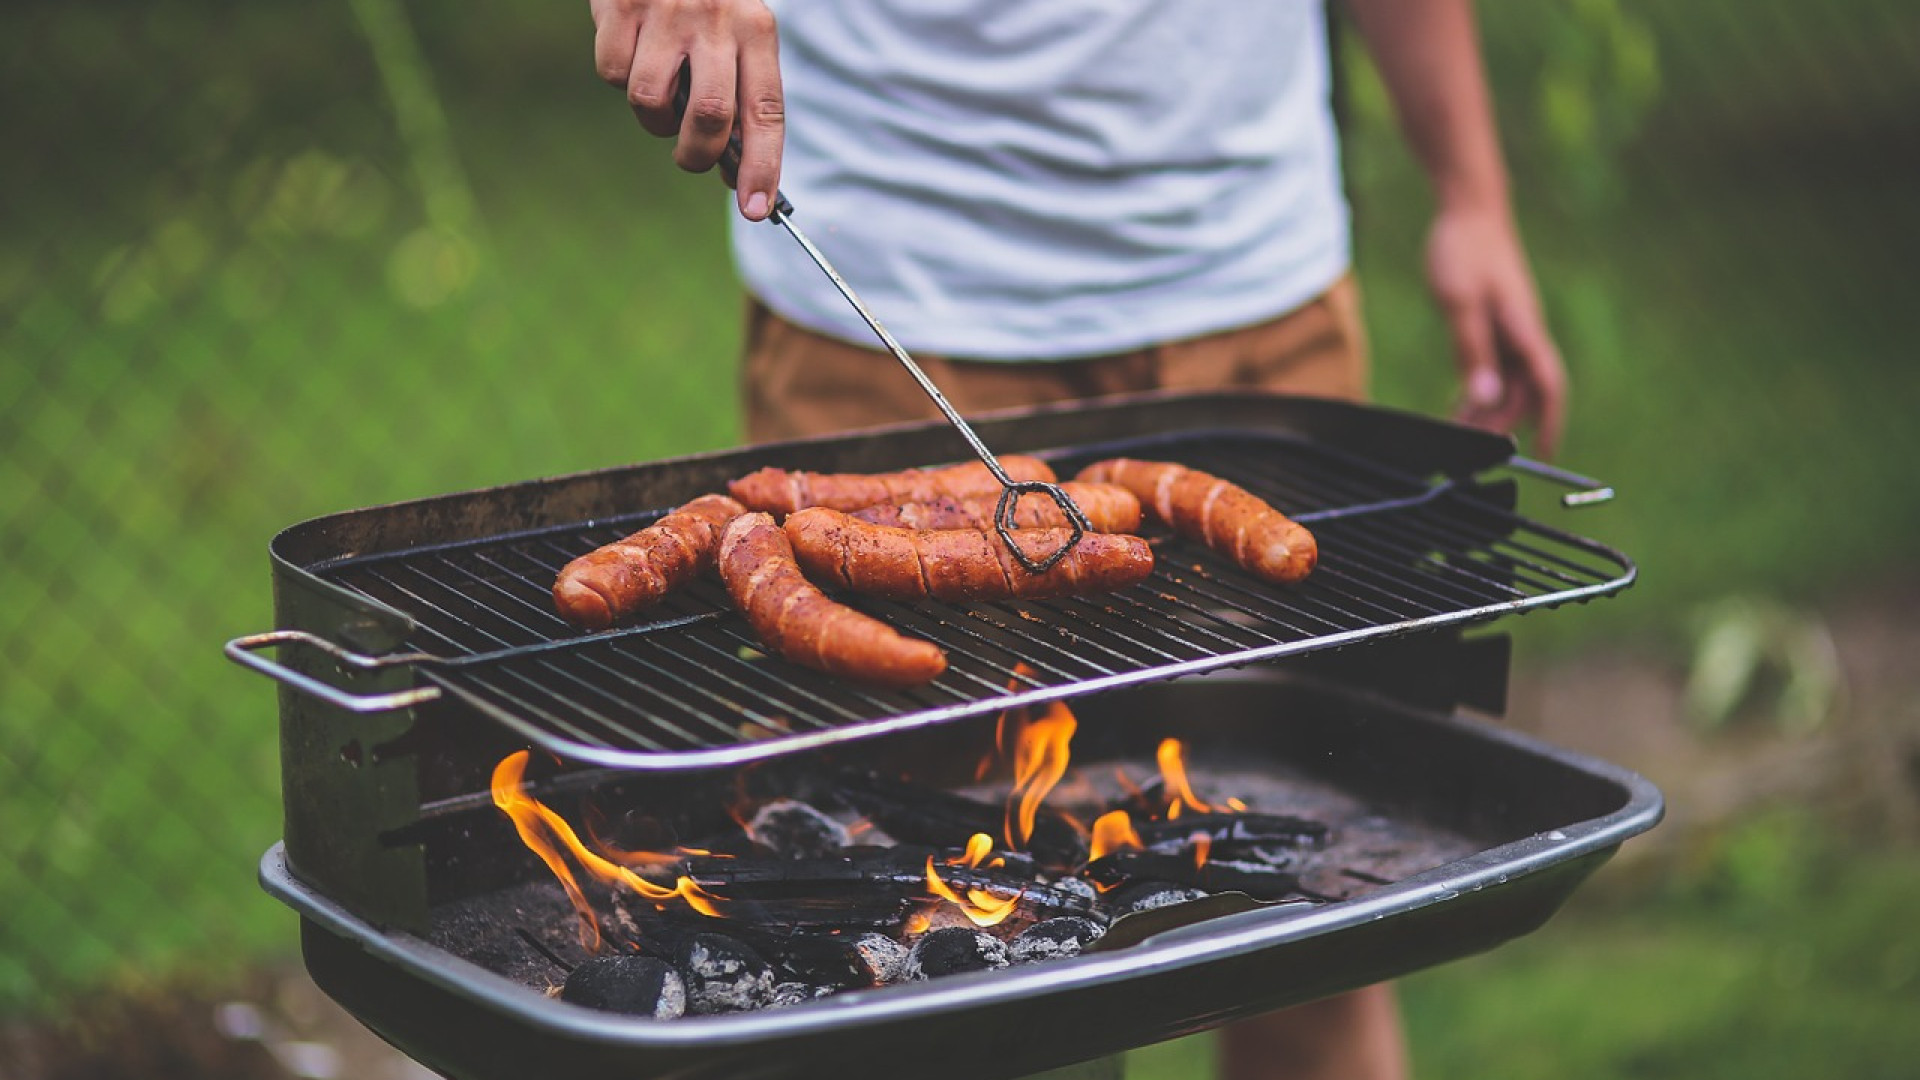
[[1428, 55]]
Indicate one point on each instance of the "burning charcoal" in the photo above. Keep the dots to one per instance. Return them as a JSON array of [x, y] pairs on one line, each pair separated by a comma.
[[919, 814], [954, 950], [723, 975], [1260, 880], [884, 958], [1054, 939], [1080, 887], [1148, 895], [794, 830], [635, 985]]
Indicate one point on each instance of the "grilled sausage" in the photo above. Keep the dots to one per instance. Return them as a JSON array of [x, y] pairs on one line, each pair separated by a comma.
[[1109, 509], [778, 491], [959, 564], [1227, 518], [800, 623], [603, 585]]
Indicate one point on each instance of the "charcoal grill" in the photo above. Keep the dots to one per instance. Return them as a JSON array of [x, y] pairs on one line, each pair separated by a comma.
[[417, 646]]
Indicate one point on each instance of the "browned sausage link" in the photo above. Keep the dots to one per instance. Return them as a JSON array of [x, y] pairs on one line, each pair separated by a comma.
[[778, 491], [602, 586], [1226, 517], [1109, 509], [802, 624], [959, 564]]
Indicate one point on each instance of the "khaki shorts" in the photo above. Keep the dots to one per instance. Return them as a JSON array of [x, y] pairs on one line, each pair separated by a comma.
[[798, 383]]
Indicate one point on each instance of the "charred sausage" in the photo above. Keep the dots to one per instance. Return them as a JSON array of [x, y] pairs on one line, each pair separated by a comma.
[[959, 564], [1109, 509], [1224, 516], [779, 491], [614, 581], [802, 624]]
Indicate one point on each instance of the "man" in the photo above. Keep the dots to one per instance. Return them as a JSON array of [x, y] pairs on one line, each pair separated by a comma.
[[1052, 199]]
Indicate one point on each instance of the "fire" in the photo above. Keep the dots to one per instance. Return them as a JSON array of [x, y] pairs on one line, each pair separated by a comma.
[[538, 826], [1040, 758], [1202, 844], [980, 907], [1112, 831], [1173, 777]]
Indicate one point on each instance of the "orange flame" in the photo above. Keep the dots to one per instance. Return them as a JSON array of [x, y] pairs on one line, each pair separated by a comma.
[[1112, 831], [538, 826], [1040, 756], [980, 907], [1202, 844], [1173, 776]]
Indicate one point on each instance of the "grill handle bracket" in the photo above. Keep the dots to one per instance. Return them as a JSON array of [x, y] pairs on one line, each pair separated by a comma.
[[245, 652], [1590, 491]]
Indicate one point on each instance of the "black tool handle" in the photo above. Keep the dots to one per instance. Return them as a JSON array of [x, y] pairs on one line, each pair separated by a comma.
[[730, 157]]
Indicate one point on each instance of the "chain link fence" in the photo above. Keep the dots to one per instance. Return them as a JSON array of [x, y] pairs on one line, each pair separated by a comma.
[[264, 262]]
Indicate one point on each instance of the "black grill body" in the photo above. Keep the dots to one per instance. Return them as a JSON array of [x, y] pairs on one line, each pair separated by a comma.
[[441, 655]]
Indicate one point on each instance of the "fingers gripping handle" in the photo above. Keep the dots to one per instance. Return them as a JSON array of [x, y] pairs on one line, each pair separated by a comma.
[[730, 157]]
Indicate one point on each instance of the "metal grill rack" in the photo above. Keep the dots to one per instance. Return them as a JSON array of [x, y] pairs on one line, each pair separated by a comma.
[[688, 688]]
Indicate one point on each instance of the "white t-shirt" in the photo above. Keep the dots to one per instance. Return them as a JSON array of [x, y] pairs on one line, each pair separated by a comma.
[[1048, 179]]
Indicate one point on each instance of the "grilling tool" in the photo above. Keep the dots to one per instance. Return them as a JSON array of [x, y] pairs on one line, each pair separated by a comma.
[[1010, 489]]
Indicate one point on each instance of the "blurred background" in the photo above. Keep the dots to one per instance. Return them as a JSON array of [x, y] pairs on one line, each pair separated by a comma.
[[263, 262]]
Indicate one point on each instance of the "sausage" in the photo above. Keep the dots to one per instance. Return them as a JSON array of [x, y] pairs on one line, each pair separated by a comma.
[[959, 564], [1109, 509], [778, 491], [1226, 517], [614, 581], [802, 624]]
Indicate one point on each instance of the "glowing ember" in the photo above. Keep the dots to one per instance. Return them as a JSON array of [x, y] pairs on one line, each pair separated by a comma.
[[539, 826], [1040, 757]]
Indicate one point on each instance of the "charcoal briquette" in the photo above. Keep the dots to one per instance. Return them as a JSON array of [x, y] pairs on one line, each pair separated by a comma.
[[1053, 939], [952, 950], [1148, 895], [635, 985], [723, 975], [883, 958], [793, 993], [794, 830]]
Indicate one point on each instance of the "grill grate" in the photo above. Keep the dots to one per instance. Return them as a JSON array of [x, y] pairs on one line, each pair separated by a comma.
[[688, 688]]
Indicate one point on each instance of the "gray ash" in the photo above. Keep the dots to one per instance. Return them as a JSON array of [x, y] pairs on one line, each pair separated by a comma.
[[952, 950], [1054, 939], [883, 958], [1148, 895], [634, 985], [723, 975]]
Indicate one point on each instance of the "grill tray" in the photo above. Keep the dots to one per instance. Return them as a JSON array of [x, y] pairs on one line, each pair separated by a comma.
[[1411, 539]]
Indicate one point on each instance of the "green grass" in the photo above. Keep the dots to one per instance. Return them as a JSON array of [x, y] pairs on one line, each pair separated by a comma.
[[224, 308]]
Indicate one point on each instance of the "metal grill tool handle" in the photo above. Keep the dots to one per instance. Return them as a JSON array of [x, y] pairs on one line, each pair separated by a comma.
[[1010, 489]]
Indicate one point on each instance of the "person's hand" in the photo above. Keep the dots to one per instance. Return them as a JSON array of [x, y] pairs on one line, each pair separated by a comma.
[[732, 52], [1510, 369]]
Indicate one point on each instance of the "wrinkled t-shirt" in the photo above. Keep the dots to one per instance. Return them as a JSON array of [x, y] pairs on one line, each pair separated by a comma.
[[1050, 179]]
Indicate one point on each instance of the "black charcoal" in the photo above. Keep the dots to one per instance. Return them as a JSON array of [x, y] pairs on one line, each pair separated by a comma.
[[794, 830], [1078, 887], [884, 958], [1054, 939], [723, 975], [635, 985], [953, 950]]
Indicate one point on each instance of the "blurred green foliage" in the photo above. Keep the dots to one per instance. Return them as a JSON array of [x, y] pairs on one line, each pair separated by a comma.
[[260, 263]]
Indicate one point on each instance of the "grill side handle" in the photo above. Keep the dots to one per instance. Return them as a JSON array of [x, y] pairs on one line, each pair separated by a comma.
[[1589, 491], [245, 652]]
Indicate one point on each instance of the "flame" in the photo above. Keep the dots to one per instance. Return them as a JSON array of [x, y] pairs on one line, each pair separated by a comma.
[[1173, 776], [1040, 757], [1202, 844], [1112, 831], [981, 907], [537, 823]]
